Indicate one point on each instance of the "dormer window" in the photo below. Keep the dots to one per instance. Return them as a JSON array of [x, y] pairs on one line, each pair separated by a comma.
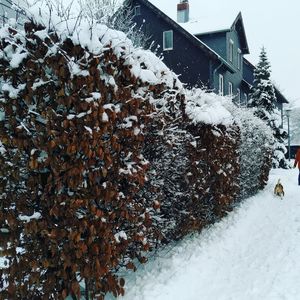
[[231, 50], [238, 97], [221, 85], [239, 59], [137, 10], [168, 40], [230, 89], [246, 98]]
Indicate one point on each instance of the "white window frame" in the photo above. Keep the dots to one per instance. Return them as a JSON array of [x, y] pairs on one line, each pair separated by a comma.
[[238, 96], [239, 59], [164, 35], [221, 84], [137, 10], [231, 43], [246, 98], [230, 89]]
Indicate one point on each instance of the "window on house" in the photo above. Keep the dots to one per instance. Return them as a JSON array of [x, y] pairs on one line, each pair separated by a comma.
[[168, 40], [239, 59], [221, 84], [231, 50], [246, 99], [230, 89], [238, 97], [137, 10]]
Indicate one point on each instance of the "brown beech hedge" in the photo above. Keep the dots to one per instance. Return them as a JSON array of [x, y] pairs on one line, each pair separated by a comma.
[[71, 168], [98, 166]]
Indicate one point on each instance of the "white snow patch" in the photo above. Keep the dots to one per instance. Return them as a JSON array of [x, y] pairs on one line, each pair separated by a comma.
[[34, 216], [253, 253], [120, 235], [105, 117], [89, 129], [2, 149], [208, 108], [13, 92]]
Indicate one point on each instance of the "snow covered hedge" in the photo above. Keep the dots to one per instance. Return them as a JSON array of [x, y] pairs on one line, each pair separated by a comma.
[[203, 162], [103, 155], [255, 151], [76, 105]]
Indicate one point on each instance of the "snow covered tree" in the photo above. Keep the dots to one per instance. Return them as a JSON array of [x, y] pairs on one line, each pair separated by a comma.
[[255, 149], [263, 99], [262, 94]]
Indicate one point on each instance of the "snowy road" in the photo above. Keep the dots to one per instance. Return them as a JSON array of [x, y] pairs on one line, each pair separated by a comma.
[[253, 254]]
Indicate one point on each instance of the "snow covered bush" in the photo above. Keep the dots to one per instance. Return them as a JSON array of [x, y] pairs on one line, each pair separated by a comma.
[[194, 165], [117, 14], [263, 99], [255, 151], [215, 158], [75, 102]]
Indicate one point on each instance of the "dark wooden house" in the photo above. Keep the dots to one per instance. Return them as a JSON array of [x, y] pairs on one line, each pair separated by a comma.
[[213, 59]]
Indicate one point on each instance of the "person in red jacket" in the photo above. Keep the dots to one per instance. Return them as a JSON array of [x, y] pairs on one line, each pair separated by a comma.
[[297, 162]]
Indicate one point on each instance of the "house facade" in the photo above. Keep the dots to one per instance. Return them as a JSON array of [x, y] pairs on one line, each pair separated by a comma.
[[193, 60], [211, 59]]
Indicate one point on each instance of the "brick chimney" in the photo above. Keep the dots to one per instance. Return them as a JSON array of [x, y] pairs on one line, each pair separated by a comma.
[[183, 11]]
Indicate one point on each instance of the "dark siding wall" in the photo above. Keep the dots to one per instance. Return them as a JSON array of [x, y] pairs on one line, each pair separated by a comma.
[[186, 59], [216, 41], [220, 43], [235, 78], [248, 72], [279, 105], [190, 62], [294, 149], [233, 35]]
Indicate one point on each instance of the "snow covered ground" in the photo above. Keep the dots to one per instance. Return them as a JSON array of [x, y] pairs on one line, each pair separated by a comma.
[[252, 254]]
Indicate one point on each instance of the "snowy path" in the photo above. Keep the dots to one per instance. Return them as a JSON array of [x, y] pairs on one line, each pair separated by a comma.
[[253, 254]]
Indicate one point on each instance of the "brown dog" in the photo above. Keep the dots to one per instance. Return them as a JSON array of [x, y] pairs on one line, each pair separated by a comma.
[[278, 190]]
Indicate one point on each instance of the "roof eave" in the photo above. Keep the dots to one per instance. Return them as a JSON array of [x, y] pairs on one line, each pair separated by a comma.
[[281, 97], [212, 32]]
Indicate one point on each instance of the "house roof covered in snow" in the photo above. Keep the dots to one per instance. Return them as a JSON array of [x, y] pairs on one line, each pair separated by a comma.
[[202, 18], [203, 21], [208, 20], [196, 41]]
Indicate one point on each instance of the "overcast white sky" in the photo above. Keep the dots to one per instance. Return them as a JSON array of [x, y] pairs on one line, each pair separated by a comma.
[[274, 24]]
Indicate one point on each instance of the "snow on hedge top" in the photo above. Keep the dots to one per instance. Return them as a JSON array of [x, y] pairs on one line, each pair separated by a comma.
[[70, 22], [208, 108]]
